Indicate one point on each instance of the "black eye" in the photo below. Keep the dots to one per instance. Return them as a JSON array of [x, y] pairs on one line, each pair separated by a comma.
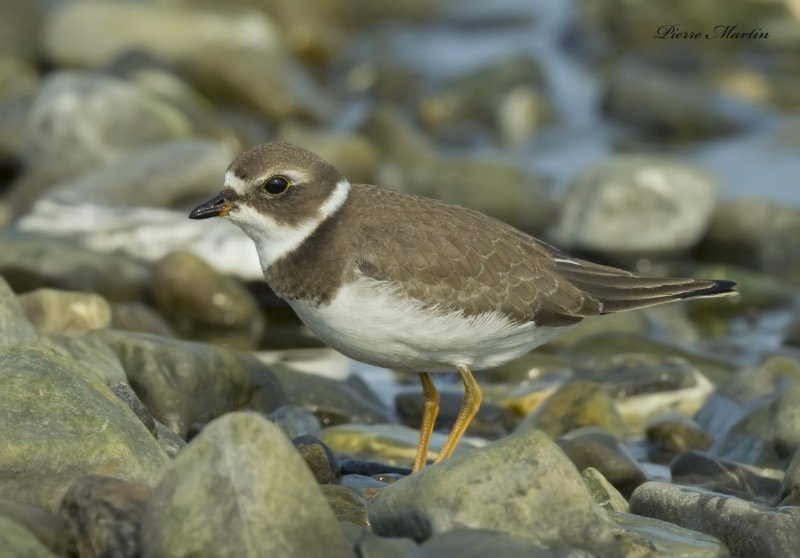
[[275, 186]]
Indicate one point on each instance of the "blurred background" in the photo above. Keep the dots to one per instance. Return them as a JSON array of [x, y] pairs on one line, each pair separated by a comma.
[[567, 119]]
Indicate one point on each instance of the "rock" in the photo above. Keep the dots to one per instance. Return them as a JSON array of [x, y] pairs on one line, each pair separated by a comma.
[[81, 120], [604, 493], [204, 304], [368, 545], [136, 316], [391, 444], [14, 325], [29, 261], [103, 516], [52, 311], [672, 434], [95, 33], [59, 422], [20, 40], [752, 416], [790, 487], [243, 464], [505, 100], [414, 166], [371, 473], [700, 469], [592, 447], [43, 525], [630, 205], [492, 421], [332, 401], [94, 355], [321, 461], [346, 503], [747, 529], [162, 175], [651, 538], [15, 540], [183, 383], [521, 481], [352, 154], [757, 234], [296, 421], [142, 234], [477, 543], [644, 385], [574, 405], [650, 103]]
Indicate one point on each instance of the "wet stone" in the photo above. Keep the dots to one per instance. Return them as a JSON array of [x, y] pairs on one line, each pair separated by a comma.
[[718, 475], [508, 486], [346, 503], [671, 435], [574, 405], [332, 401], [243, 464], [183, 382], [103, 516], [593, 447], [478, 543], [644, 536], [296, 421], [136, 316], [65, 312], [370, 468], [205, 304], [322, 462], [747, 529]]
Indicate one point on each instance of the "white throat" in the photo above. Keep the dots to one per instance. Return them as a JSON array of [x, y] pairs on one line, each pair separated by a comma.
[[274, 240]]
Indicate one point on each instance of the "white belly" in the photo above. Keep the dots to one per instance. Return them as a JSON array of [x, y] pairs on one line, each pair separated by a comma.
[[370, 322]]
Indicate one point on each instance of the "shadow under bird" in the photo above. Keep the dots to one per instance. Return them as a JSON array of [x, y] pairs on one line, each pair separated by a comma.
[[413, 283]]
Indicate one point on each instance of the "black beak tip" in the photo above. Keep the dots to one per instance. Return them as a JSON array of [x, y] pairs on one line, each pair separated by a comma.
[[212, 208]]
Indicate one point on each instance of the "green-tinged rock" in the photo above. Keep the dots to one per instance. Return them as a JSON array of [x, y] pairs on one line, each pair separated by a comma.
[[45, 526], [14, 325], [94, 355], [183, 383], [604, 493], [240, 489], [747, 529], [643, 537], [103, 516], [30, 261], [672, 434], [522, 485], [574, 405], [58, 422], [346, 503], [65, 313], [204, 304], [16, 541], [136, 316]]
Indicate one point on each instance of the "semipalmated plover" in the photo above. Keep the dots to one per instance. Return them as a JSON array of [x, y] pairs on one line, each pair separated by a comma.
[[412, 283]]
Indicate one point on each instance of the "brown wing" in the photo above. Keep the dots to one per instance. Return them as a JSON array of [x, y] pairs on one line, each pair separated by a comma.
[[458, 259], [462, 260]]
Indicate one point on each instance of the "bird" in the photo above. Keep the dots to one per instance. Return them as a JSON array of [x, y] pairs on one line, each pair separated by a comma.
[[413, 283]]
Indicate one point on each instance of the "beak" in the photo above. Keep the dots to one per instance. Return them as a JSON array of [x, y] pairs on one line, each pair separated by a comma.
[[217, 206]]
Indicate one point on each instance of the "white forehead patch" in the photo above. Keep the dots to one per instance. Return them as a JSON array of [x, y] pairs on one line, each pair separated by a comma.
[[274, 240], [235, 183]]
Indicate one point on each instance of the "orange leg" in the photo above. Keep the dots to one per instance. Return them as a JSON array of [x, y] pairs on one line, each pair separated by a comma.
[[430, 411], [469, 408]]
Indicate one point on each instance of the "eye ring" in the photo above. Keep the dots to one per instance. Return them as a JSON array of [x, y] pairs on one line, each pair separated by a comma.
[[276, 185]]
